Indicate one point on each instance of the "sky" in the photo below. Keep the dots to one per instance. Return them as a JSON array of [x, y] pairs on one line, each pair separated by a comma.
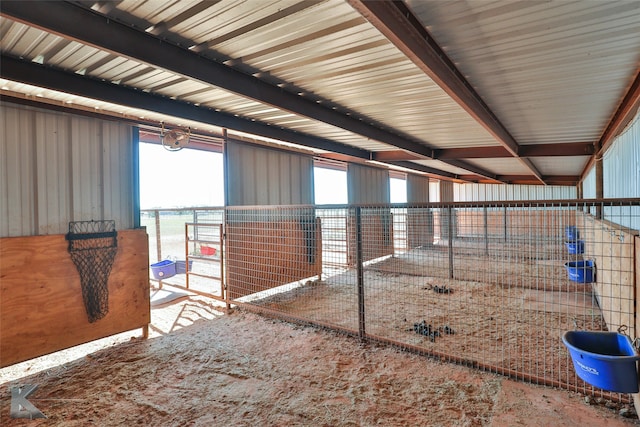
[[194, 178], [330, 186], [185, 178]]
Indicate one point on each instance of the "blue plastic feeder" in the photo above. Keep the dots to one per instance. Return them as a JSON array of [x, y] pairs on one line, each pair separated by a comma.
[[580, 271], [571, 232], [163, 269], [181, 266], [575, 247], [604, 359]]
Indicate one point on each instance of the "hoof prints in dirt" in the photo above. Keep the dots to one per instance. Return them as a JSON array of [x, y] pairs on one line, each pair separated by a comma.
[[427, 330]]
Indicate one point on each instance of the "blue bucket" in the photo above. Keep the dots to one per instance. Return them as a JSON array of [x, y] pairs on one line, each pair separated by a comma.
[[604, 359], [571, 232], [580, 271], [163, 269], [181, 266], [575, 247]]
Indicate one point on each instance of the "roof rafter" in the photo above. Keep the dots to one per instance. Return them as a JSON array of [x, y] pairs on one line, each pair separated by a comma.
[[493, 152], [563, 180], [402, 28]]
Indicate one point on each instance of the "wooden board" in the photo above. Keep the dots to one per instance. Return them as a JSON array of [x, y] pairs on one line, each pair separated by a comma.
[[613, 250], [637, 277], [41, 306]]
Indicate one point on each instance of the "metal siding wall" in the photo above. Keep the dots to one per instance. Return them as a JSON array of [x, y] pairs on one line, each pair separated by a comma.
[[621, 168], [368, 185], [589, 185], [118, 172], [417, 189], [53, 160], [621, 175], [505, 192], [18, 196], [58, 168], [86, 170], [264, 176], [446, 191]]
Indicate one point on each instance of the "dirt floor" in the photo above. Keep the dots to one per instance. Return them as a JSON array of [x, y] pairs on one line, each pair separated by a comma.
[[507, 315], [204, 367]]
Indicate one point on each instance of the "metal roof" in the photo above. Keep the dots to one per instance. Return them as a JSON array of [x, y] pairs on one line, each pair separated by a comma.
[[495, 91]]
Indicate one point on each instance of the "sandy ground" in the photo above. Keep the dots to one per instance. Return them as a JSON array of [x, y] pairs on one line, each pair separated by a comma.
[[204, 367], [515, 326]]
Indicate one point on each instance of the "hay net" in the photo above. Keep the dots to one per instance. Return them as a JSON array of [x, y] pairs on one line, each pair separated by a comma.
[[93, 246]]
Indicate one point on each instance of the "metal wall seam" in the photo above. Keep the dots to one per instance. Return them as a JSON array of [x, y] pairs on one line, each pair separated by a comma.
[[266, 176], [367, 184], [417, 189]]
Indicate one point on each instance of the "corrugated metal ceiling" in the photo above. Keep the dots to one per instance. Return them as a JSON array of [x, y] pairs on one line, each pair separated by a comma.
[[550, 72]]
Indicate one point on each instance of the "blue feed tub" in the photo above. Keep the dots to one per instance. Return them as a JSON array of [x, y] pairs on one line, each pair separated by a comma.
[[604, 359], [575, 247], [571, 232], [163, 269], [181, 266], [580, 271]]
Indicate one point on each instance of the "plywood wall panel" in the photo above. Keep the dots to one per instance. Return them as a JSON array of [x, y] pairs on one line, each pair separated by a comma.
[[612, 248], [41, 306]]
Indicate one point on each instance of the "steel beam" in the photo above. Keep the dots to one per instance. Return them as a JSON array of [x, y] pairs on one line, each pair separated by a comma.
[[533, 150]]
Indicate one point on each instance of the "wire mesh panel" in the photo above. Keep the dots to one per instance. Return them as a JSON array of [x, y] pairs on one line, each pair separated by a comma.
[[491, 285]]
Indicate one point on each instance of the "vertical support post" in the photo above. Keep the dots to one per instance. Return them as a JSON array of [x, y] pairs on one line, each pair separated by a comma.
[[505, 223], [195, 228], [486, 231], [156, 213], [450, 237], [223, 273], [225, 163], [186, 253], [318, 244], [360, 274], [599, 186], [135, 159]]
